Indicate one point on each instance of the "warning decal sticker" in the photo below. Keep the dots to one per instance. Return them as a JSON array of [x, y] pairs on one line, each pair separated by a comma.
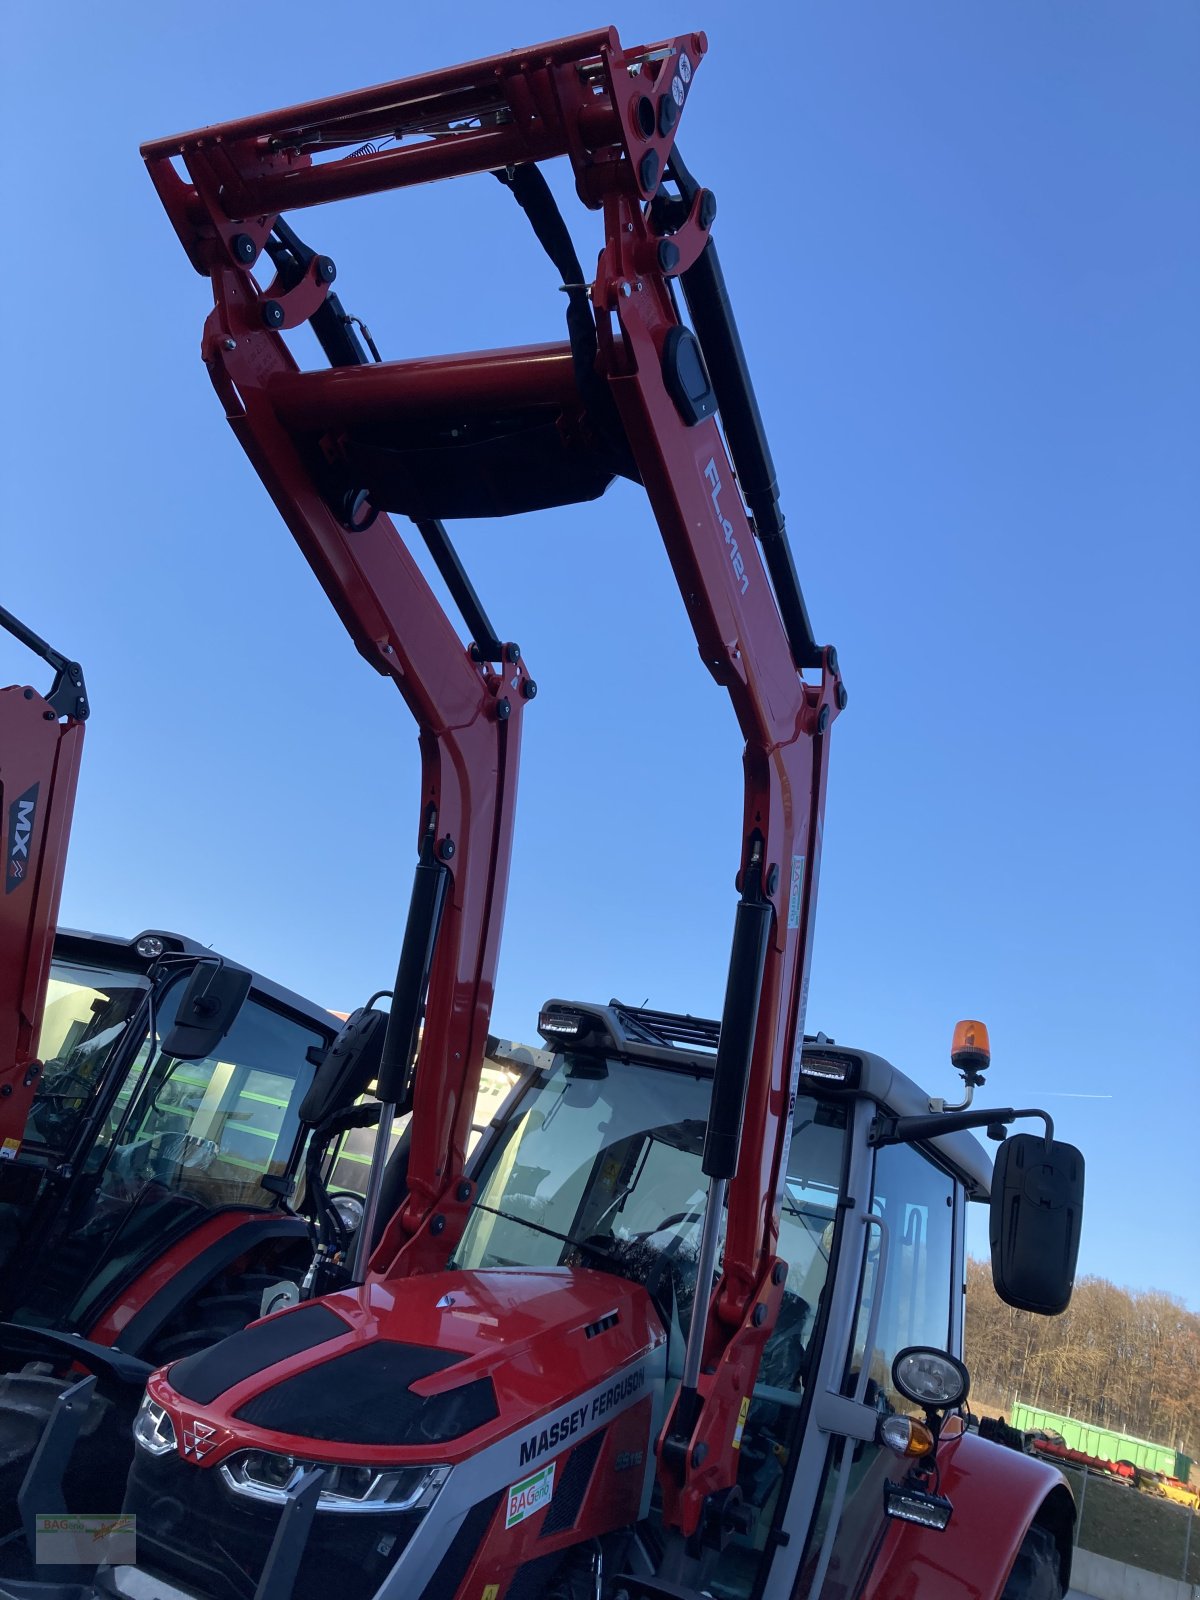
[[743, 1412]]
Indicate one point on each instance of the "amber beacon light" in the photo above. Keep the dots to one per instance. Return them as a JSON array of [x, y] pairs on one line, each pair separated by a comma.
[[970, 1049]]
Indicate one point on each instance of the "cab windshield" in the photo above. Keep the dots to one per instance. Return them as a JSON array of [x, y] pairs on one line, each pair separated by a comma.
[[214, 1128], [168, 1141], [600, 1166]]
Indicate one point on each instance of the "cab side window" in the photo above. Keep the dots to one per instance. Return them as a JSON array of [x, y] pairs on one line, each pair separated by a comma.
[[915, 1199]]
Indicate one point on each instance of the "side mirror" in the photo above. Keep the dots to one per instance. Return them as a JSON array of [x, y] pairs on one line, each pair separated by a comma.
[[350, 1063], [212, 998], [1036, 1215]]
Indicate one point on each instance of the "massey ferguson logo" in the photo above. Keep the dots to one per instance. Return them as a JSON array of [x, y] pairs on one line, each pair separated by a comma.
[[198, 1440], [21, 817], [735, 557]]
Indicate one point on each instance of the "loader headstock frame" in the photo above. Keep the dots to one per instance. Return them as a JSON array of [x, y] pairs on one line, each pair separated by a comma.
[[644, 404]]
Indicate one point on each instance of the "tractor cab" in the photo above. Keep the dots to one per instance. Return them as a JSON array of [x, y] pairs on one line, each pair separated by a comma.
[[599, 1167], [166, 1114], [499, 1417]]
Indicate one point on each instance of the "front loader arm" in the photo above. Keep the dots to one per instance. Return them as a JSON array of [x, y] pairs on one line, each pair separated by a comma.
[[41, 744], [314, 439], [468, 712], [752, 629], [633, 391]]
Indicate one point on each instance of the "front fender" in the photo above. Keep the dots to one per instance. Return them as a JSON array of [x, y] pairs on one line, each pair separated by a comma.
[[996, 1493], [138, 1311]]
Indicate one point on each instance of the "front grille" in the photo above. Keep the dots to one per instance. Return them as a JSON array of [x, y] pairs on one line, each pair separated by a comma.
[[193, 1532], [572, 1486]]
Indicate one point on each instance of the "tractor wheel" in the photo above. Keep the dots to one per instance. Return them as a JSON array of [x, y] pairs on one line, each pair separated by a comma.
[[225, 1308], [1037, 1572]]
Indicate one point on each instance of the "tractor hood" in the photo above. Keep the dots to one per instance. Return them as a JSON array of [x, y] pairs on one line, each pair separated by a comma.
[[434, 1367], [508, 1414]]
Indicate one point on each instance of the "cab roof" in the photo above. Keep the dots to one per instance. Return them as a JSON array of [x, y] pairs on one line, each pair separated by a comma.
[[75, 944], [689, 1043]]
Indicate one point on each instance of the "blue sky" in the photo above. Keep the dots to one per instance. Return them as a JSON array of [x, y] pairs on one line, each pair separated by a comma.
[[964, 247]]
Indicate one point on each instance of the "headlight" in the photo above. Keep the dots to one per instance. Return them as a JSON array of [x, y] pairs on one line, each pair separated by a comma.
[[153, 1428], [368, 1489], [930, 1378], [261, 1475]]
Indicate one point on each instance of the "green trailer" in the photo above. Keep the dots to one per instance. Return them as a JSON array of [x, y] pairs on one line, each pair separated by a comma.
[[1106, 1443]]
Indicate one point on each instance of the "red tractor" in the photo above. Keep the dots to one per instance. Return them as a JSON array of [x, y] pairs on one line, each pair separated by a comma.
[[155, 1103], [150, 1089], [663, 1335]]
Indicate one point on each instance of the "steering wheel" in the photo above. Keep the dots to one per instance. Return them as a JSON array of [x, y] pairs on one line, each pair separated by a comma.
[[53, 1084], [53, 1111], [670, 1222], [191, 1153]]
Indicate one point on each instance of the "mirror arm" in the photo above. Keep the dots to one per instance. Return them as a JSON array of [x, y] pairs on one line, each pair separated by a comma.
[[1046, 1118], [903, 1130]]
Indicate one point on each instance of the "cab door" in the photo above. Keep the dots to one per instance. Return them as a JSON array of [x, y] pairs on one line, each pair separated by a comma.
[[778, 1468], [906, 1296]]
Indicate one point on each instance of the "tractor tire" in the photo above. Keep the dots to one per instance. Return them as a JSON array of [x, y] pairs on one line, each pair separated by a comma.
[[224, 1309], [1037, 1571]]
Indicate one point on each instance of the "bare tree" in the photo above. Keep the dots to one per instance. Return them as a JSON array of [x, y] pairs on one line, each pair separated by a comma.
[[1115, 1359]]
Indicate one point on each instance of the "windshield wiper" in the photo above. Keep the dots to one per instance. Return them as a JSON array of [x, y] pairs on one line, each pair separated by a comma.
[[551, 1233]]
